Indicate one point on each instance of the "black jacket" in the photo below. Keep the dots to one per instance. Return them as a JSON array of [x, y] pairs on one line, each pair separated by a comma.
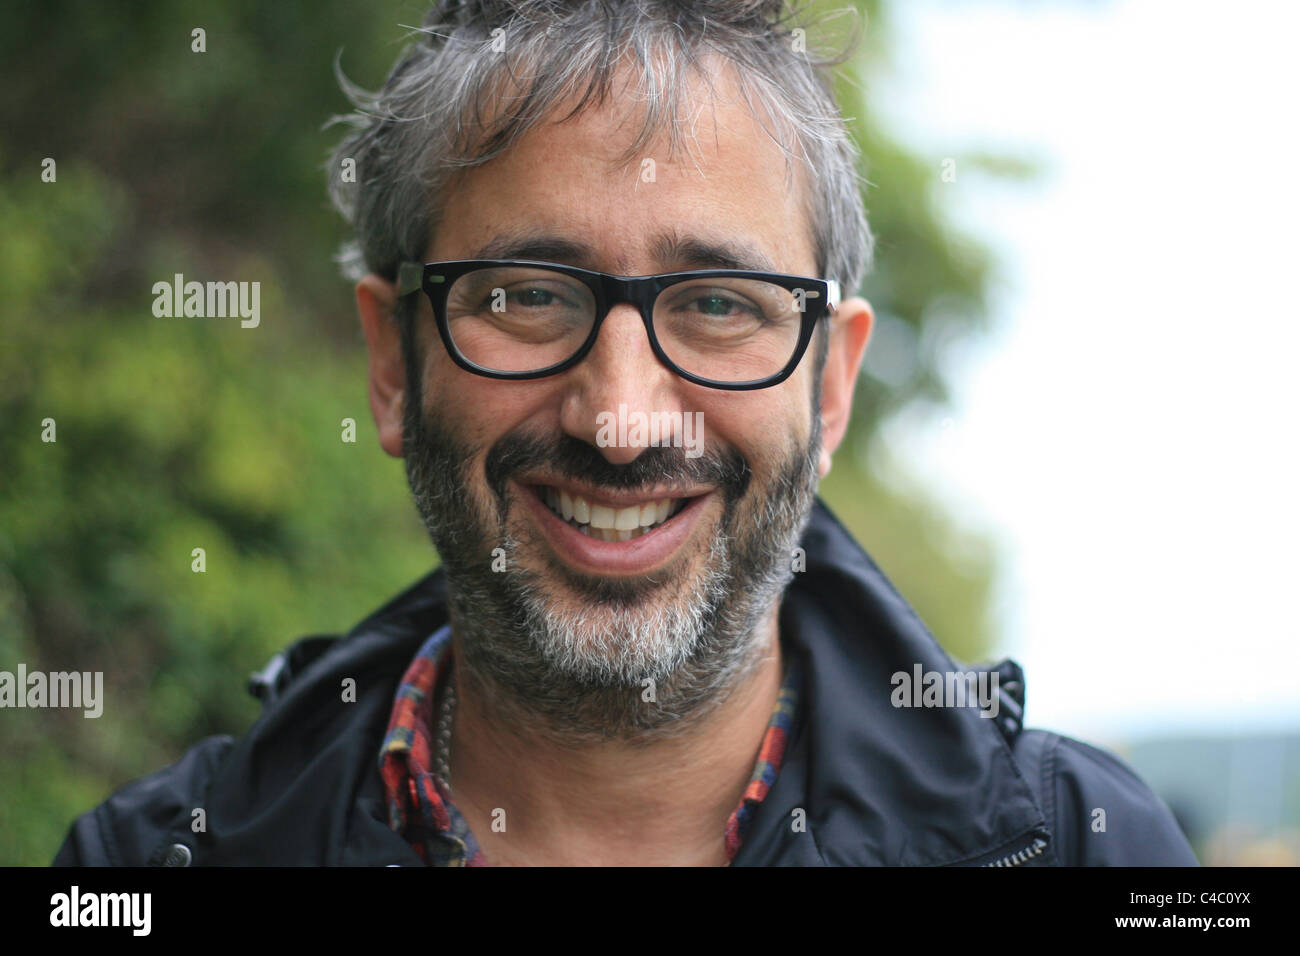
[[877, 784]]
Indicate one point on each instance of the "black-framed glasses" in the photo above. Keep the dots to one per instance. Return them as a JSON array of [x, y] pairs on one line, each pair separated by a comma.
[[518, 319]]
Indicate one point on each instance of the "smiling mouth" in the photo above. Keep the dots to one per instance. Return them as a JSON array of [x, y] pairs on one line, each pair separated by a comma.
[[606, 523]]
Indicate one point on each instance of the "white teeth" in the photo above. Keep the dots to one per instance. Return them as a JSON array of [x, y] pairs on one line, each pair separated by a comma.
[[625, 519], [604, 522]]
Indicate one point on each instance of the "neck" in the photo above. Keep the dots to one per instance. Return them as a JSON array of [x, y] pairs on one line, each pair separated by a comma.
[[658, 799]]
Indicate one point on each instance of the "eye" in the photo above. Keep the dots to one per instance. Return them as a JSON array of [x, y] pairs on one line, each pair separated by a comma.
[[534, 297], [714, 305]]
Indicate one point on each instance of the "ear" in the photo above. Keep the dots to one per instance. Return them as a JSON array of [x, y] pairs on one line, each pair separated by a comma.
[[376, 300], [850, 330]]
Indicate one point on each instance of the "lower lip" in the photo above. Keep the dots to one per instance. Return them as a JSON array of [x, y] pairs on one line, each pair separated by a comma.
[[640, 555]]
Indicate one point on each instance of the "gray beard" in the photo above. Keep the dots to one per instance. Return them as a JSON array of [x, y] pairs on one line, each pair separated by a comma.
[[635, 660]]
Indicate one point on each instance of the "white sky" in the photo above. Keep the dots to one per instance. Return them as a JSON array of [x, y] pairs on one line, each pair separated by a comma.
[[1128, 430]]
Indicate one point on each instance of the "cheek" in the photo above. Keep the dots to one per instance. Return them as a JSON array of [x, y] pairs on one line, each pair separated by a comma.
[[467, 404], [480, 411], [763, 430]]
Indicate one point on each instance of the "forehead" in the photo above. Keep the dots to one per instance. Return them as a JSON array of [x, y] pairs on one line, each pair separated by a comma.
[[608, 197]]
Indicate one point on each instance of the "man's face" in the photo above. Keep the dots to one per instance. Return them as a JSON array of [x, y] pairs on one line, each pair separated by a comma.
[[555, 614]]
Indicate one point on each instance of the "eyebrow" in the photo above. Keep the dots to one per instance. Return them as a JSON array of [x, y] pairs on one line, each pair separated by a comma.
[[674, 251]]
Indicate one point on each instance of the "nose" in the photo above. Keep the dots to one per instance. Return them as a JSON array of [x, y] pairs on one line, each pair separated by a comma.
[[620, 370]]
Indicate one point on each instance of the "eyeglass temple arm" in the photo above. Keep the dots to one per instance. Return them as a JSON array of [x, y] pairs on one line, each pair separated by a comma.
[[832, 295], [410, 278]]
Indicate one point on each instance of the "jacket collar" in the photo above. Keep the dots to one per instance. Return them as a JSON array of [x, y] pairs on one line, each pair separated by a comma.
[[880, 785]]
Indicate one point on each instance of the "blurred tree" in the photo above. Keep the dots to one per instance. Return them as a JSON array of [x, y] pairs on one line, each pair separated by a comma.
[[172, 436]]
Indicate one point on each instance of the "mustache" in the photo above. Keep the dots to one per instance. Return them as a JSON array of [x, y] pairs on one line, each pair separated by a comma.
[[574, 459]]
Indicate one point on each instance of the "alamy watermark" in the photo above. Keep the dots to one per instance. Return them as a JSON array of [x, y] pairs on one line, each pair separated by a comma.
[[922, 688], [75, 908], [84, 690], [624, 429], [211, 300]]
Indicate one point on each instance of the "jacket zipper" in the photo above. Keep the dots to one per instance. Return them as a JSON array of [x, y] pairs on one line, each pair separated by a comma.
[[1022, 856]]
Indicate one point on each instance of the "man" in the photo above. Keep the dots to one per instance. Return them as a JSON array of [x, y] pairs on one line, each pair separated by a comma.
[[648, 643]]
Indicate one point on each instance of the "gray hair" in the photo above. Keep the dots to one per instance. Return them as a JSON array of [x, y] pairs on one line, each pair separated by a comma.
[[443, 108]]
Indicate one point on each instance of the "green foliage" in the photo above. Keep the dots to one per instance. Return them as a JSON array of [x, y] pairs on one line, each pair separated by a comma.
[[174, 435], [171, 435]]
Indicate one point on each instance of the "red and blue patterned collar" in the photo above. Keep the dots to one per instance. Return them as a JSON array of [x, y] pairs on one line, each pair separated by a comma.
[[420, 808]]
